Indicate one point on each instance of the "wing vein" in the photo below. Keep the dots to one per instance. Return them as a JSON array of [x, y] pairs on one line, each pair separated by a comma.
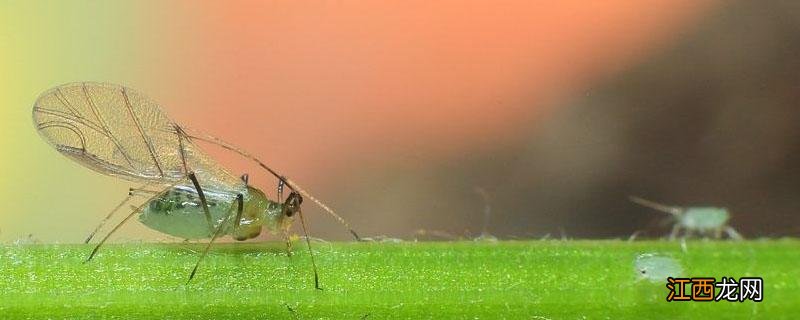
[[105, 127], [65, 125], [73, 118], [145, 138], [60, 96]]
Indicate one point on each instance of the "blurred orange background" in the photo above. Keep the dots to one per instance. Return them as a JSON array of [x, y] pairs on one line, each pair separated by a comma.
[[318, 87], [394, 112]]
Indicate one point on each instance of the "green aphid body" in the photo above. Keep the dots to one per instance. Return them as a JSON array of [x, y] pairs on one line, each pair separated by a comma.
[[704, 219], [656, 268], [179, 212]]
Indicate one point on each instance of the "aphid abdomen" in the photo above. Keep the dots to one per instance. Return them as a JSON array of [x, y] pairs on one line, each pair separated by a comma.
[[704, 219], [179, 213]]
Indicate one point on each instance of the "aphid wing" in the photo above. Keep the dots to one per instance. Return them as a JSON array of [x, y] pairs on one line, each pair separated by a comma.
[[118, 131]]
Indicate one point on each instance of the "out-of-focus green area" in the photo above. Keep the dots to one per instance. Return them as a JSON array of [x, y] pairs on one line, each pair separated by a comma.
[[549, 279]]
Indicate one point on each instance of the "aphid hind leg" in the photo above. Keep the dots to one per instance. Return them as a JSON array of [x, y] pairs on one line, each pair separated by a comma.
[[108, 216], [687, 233], [113, 211], [128, 217], [141, 192], [675, 230], [216, 235]]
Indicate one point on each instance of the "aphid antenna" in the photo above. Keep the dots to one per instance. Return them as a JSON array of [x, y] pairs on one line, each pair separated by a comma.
[[675, 211], [195, 134]]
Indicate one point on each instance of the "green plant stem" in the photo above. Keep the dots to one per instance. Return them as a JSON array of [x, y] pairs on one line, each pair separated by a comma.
[[409, 280]]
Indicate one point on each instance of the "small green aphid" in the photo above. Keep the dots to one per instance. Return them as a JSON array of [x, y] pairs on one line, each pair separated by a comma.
[[120, 132], [655, 267], [700, 221]]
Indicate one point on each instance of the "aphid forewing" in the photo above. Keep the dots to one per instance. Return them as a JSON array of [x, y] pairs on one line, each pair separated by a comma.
[[120, 132]]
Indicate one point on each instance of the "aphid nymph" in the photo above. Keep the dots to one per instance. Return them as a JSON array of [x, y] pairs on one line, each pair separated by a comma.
[[656, 267], [701, 221]]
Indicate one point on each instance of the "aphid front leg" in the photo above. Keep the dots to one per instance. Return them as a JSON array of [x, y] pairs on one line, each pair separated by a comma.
[[290, 207], [281, 184], [288, 240], [239, 210], [732, 233]]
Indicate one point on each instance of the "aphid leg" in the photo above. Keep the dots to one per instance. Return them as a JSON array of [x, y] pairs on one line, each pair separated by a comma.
[[202, 200], [732, 233], [128, 217], [718, 233], [674, 233], [634, 235], [141, 192], [292, 311], [113, 211], [288, 239], [310, 252], [108, 216], [686, 234], [281, 183], [182, 135], [217, 233], [239, 210]]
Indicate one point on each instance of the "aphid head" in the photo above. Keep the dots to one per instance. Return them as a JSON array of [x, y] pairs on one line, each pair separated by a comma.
[[281, 215], [292, 204]]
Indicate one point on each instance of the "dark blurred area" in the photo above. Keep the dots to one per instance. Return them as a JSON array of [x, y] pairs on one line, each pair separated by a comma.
[[710, 121]]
